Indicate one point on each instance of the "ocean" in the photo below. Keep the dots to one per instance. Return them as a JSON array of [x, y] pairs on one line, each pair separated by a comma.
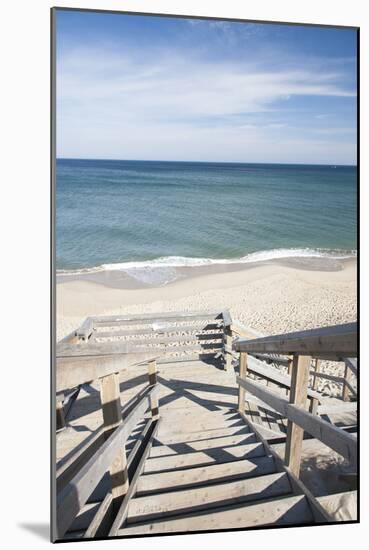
[[148, 218]]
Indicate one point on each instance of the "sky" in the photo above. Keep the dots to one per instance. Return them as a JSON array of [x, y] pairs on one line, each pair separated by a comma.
[[161, 88]]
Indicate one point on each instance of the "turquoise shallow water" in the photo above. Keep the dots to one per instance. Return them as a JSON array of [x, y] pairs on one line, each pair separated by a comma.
[[141, 214]]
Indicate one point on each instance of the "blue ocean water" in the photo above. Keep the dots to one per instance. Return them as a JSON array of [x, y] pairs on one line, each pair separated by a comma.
[[126, 214]]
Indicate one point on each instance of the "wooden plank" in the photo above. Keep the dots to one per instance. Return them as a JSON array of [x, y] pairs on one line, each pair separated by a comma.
[[208, 497], [327, 376], [160, 340], [99, 517], [255, 413], [85, 330], [123, 510], [282, 380], [66, 469], [319, 514], [122, 348], [167, 329], [94, 349], [173, 317], [203, 434], [112, 415], [271, 358], [228, 348], [343, 443], [289, 511], [241, 330], [346, 384], [137, 445], [241, 389], [153, 379], [75, 494], [298, 397], [189, 424], [71, 372], [227, 318], [351, 362], [203, 458], [205, 475], [202, 445], [351, 389], [337, 340], [182, 360], [315, 373]]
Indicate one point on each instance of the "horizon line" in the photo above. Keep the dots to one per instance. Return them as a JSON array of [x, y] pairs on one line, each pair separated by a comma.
[[208, 161]]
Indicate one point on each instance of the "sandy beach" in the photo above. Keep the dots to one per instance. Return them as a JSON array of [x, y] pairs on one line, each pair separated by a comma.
[[270, 297]]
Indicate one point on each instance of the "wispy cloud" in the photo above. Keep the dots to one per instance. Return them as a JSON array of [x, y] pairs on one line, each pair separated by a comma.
[[176, 86], [156, 108]]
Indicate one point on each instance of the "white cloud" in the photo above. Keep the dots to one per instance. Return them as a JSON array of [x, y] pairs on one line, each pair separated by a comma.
[[121, 108]]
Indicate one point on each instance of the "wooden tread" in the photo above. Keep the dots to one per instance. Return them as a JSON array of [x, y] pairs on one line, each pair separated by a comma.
[[280, 511], [204, 475], [203, 458], [172, 426], [202, 444], [202, 434], [200, 498]]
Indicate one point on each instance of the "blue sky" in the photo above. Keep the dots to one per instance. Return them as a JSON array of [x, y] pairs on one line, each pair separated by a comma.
[[152, 88]]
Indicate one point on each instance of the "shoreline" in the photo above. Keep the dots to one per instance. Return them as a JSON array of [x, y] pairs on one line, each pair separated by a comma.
[[158, 276], [270, 297]]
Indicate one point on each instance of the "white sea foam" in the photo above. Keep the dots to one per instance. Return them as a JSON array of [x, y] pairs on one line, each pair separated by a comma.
[[163, 270]]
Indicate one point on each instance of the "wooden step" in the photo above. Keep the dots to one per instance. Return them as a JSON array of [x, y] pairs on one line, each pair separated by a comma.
[[199, 435], [205, 475], [280, 511], [172, 426], [197, 412], [202, 445], [213, 496], [203, 458]]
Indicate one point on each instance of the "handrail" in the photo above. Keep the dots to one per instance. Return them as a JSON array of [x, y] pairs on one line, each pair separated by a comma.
[[71, 371], [339, 341], [342, 442], [273, 375], [173, 315], [75, 494]]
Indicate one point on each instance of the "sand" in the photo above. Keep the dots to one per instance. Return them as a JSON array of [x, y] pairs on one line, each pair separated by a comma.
[[271, 297]]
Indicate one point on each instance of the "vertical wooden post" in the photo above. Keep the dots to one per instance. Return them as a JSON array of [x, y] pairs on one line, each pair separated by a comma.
[[112, 415], [298, 396], [153, 378], [241, 390], [228, 346], [345, 389], [315, 377], [314, 402], [289, 370]]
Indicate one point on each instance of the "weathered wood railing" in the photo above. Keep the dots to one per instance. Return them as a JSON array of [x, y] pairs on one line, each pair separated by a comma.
[[333, 343], [172, 336], [316, 371], [81, 363]]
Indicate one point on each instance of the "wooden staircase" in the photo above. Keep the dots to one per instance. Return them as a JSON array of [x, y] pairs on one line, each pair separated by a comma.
[[187, 452], [218, 474]]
